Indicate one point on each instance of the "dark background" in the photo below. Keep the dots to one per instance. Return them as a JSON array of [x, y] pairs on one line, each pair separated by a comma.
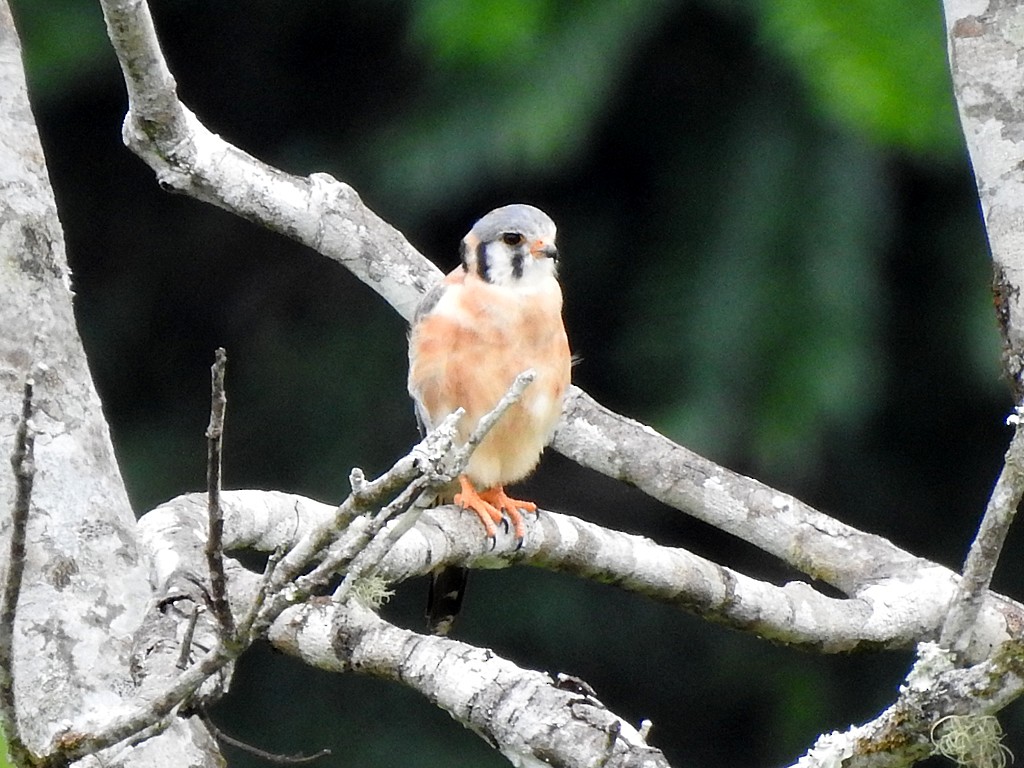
[[772, 253]]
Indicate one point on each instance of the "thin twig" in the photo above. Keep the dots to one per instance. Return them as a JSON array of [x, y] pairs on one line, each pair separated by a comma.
[[215, 535], [335, 561], [270, 757], [414, 477], [369, 545], [511, 397], [23, 464], [246, 627], [365, 497], [958, 629], [415, 499], [368, 496], [186, 642], [363, 556], [128, 729]]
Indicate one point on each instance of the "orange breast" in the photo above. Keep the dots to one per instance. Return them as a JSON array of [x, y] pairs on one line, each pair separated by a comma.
[[467, 352]]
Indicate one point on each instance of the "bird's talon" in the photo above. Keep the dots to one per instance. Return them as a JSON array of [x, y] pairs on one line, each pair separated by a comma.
[[494, 506]]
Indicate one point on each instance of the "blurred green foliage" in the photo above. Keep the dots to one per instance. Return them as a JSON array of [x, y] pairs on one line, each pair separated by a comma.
[[483, 34], [876, 66], [772, 253], [510, 89], [64, 46]]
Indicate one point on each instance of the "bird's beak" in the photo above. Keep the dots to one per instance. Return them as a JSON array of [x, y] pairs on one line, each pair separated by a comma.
[[541, 250]]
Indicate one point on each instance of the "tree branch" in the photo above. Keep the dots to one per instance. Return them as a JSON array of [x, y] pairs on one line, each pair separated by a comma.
[[796, 533], [318, 211], [894, 612], [523, 714], [215, 527], [934, 689], [985, 550], [268, 757], [984, 59]]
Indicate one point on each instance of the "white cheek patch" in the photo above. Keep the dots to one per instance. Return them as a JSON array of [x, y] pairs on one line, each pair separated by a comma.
[[537, 274]]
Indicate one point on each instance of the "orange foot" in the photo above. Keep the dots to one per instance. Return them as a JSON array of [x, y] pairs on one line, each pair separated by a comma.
[[489, 505]]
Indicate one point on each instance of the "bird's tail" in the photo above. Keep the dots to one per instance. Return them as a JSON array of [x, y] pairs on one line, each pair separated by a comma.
[[447, 588]]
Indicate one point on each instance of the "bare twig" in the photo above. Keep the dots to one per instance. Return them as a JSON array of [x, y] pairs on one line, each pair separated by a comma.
[[510, 398], [245, 627], [23, 464], [215, 531], [983, 556], [262, 754], [363, 555], [418, 467], [365, 497], [186, 641], [147, 719], [418, 497]]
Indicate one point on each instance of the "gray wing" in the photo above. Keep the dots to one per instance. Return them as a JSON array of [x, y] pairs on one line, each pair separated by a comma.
[[429, 301], [421, 419], [424, 308]]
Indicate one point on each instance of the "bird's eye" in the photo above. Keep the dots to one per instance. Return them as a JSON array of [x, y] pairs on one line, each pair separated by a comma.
[[512, 238]]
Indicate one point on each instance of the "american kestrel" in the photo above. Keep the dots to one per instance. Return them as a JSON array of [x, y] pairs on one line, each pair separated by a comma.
[[496, 315]]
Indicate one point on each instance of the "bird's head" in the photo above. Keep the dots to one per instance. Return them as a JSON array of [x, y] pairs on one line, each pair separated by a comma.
[[512, 246]]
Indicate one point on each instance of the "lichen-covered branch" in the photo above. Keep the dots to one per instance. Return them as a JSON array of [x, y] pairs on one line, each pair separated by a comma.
[[810, 541], [934, 689], [984, 48], [524, 714], [893, 612], [984, 58], [84, 590]]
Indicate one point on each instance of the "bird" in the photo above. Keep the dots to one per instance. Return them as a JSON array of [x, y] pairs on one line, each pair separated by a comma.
[[496, 315]]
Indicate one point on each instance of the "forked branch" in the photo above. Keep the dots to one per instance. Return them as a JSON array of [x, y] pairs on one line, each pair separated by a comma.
[[424, 472]]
